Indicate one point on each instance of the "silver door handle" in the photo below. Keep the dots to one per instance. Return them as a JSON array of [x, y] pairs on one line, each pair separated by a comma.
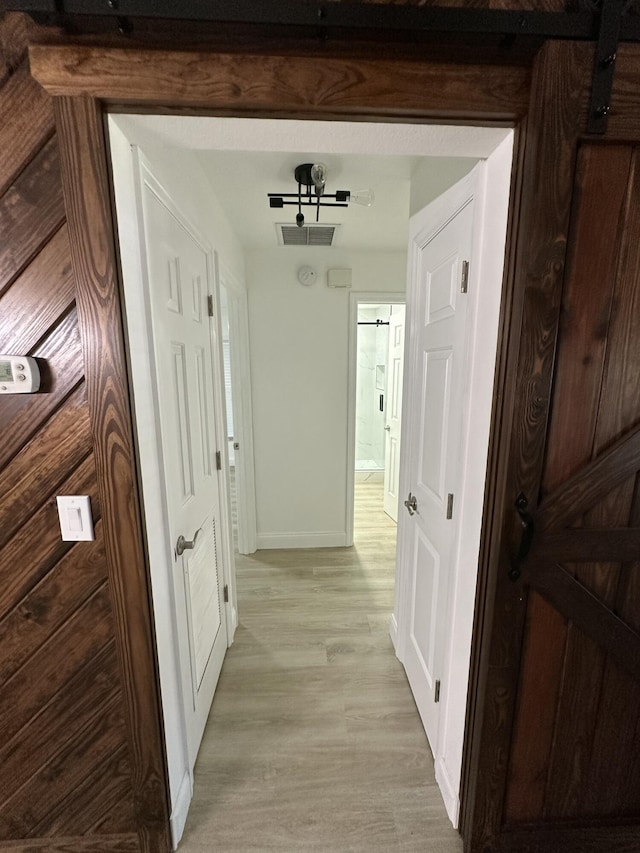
[[411, 504], [183, 544], [387, 428]]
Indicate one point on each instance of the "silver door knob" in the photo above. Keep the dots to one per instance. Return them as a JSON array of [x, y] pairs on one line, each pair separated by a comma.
[[411, 504], [183, 544], [388, 428]]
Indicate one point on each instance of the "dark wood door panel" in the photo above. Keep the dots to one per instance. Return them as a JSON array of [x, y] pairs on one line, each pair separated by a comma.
[[568, 633], [582, 648], [586, 839]]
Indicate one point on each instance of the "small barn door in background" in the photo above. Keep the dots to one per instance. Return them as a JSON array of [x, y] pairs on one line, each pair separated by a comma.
[[560, 744]]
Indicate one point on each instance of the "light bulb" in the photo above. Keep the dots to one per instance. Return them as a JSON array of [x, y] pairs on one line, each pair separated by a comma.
[[319, 177], [364, 197]]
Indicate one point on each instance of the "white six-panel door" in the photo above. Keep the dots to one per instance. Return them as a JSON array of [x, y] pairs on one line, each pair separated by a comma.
[[179, 283], [437, 309], [393, 425]]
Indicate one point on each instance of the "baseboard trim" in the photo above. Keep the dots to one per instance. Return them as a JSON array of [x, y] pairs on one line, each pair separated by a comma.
[[393, 633], [181, 810], [450, 797], [328, 539]]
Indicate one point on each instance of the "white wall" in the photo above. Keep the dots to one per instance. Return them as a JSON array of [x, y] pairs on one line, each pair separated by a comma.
[[189, 187], [299, 372], [433, 176]]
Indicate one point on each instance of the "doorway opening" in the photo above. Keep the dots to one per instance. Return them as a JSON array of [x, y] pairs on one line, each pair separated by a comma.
[[376, 360], [298, 340]]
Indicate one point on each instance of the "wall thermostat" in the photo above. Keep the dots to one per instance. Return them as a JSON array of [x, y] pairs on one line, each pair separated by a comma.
[[306, 275], [19, 374]]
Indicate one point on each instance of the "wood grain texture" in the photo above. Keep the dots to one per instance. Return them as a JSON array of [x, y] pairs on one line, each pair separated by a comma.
[[18, 705], [38, 298], [26, 122], [244, 84], [111, 813], [583, 545], [60, 696], [595, 619], [35, 549], [61, 370], [591, 474], [600, 186], [528, 766], [624, 122], [89, 691], [557, 110], [589, 839], [35, 473], [580, 492], [46, 607], [15, 30], [93, 255], [127, 843], [31, 210]]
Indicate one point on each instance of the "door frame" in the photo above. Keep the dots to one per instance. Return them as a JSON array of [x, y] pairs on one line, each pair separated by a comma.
[[488, 184], [88, 80], [130, 169], [355, 300], [238, 309]]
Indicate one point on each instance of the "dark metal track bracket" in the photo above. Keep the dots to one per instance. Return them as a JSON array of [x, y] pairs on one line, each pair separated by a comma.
[[605, 64]]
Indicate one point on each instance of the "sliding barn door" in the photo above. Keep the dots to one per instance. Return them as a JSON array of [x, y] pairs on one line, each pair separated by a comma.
[[558, 757]]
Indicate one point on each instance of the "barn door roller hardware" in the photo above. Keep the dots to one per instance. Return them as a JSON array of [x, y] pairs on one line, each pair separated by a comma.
[[607, 24], [605, 62]]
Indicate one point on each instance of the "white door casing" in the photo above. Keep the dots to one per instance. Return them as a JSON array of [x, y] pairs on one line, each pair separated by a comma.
[[489, 186], [393, 408], [238, 312]]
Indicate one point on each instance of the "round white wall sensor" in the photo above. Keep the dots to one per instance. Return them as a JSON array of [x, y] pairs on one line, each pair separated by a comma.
[[306, 275]]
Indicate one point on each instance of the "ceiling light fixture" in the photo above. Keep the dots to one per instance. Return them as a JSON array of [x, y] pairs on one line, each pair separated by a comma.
[[311, 179]]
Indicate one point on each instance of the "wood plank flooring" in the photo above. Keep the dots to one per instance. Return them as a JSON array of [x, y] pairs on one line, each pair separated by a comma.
[[314, 742]]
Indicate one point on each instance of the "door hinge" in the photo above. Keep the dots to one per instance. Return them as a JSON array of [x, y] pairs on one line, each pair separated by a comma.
[[436, 697], [226, 593], [449, 505], [464, 284], [210, 305], [218, 460]]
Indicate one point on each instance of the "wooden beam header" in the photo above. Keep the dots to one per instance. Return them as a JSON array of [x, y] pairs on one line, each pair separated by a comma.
[[300, 85]]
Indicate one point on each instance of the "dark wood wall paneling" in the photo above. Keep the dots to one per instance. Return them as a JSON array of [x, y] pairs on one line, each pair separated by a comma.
[[65, 768]]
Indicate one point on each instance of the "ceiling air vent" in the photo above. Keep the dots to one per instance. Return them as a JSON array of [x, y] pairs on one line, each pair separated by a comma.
[[314, 234]]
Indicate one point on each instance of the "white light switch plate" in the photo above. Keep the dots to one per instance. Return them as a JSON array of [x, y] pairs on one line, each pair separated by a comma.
[[76, 523]]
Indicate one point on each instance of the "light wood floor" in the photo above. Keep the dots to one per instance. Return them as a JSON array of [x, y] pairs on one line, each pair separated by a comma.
[[314, 742]]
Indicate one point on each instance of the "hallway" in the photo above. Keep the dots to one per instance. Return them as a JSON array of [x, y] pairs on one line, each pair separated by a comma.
[[314, 742]]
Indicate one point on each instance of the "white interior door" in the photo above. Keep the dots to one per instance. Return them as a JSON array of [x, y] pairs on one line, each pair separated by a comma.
[[393, 426], [437, 312], [179, 279]]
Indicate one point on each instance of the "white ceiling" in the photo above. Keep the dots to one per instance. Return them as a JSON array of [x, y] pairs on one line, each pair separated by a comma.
[[241, 181], [245, 159]]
